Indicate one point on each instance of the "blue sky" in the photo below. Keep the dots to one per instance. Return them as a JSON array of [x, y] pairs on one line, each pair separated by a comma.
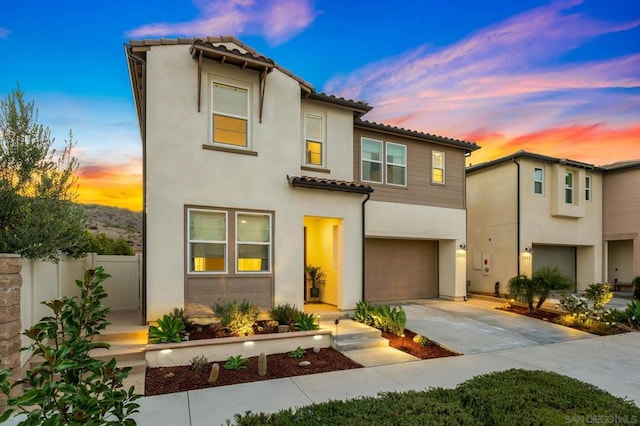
[[560, 78]]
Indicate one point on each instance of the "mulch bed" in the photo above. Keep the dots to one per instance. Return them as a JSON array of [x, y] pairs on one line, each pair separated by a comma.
[[164, 380]]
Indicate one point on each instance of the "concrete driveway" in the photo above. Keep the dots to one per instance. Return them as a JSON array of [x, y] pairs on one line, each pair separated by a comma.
[[476, 326]]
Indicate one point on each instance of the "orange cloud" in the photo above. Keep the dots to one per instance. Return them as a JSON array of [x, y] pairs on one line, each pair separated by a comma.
[[111, 185], [594, 144]]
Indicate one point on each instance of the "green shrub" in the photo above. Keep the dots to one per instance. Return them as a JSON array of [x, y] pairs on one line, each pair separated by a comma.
[[363, 313], [235, 362], [636, 288], [298, 353], [285, 314], [546, 280], [574, 305], [633, 313], [239, 319], [305, 322], [381, 316], [397, 321], [512, 397], [522, 289], [169, 329], [70, 387], [599, 294], [614, 316], [179, 313]]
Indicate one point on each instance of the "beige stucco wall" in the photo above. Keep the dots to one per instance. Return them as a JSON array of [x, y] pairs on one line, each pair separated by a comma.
[[622, 221], [180, 172], [492, 210], [447, 226]]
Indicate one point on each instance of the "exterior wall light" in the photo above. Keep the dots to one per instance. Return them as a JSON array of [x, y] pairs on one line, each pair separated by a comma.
[[529, 250], [463, 246]]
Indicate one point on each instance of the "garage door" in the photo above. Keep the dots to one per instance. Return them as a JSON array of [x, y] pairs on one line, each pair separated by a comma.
[[400, 269], [564, 257]]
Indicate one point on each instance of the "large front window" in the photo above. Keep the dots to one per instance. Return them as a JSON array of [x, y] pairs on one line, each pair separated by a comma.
[[207, 241], [371, 160], [230, 107], [314, 139], [253, 242]]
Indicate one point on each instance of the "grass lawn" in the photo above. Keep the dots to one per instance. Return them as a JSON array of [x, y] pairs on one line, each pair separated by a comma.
[[513, 397]]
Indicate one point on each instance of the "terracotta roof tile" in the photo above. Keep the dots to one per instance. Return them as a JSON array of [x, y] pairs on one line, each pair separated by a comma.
[[329, 184]]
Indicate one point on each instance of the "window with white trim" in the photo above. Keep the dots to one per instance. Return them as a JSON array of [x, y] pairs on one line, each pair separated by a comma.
[[568, 187], [207, 247], [437, 167], [538, 180], [587, 188], [371, 155], [253, 242], [314, 141], [230, 114], [396, 164]]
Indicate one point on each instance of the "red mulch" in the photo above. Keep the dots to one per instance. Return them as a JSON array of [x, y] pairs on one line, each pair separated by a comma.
[[181, 378], [523, 310]]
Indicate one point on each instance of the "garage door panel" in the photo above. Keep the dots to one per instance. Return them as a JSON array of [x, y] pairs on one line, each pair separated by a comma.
[[400, 269], [564, 257]]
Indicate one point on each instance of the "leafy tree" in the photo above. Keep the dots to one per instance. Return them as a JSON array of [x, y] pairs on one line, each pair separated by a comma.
[[38, 218], [102, 244]]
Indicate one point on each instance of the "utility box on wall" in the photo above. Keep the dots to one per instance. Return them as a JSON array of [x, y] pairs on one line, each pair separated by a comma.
[[486, 263]]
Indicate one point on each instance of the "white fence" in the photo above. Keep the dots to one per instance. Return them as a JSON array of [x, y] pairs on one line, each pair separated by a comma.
[[44, 281]]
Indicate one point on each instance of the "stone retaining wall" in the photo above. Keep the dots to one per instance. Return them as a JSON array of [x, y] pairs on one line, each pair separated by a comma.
[[10, 326]]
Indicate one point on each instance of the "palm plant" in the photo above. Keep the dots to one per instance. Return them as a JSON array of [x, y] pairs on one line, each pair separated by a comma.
[[546, 280], [315, 277], [522, 288]]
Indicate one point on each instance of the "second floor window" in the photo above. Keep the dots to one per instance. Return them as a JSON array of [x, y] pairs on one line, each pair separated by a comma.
[[587, 188], [314, 139], [568, 187], [371, 160], [538, 181], [230, 109], [396, 164], [437, 167]]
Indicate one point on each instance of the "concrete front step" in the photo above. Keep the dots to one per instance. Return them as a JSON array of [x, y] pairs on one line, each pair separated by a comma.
[[357, 342], [140, 336], [350, 335]]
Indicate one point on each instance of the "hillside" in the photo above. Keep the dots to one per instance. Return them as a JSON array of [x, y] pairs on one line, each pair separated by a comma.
[[116, 223]]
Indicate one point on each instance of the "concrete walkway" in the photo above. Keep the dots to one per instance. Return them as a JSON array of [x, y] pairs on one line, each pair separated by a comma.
[[491, 340]]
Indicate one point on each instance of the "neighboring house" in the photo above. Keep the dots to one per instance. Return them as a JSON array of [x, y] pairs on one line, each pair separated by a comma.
[[250, 174], [622, 221], [526, 211]]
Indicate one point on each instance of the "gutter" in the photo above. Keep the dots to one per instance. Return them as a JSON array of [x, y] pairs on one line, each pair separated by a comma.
[[143, 136], [364, 269], [518, 215]]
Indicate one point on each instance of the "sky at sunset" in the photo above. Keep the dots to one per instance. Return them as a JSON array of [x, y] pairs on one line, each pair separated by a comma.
[[559, 78]]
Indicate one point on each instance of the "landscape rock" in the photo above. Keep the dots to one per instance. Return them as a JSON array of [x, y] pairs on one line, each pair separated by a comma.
[[304, 363]]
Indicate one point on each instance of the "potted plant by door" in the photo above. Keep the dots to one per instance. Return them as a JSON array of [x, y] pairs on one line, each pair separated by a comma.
[[315, 278]]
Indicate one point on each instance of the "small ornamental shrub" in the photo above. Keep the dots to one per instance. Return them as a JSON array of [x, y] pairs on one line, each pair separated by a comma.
[[235, 362], [199, 362], [70, 387], [422, 341], [397, 321], [522, 289], [238, 318], [179, 313], [169, 329], [614, 316], [575, 305], [298, 353], [285, 314], [363, 313], [599, 294], [633, 313], [305, 322]]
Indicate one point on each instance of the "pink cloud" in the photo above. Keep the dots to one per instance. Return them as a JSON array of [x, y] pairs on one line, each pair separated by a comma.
[[276, 20]]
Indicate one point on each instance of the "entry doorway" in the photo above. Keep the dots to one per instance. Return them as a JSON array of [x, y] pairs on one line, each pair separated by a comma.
[[323, 247]]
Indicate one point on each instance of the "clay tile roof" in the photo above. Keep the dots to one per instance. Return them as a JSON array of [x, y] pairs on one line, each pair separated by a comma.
[[329, 184], [470, 146], [357, 105], [621, 165]]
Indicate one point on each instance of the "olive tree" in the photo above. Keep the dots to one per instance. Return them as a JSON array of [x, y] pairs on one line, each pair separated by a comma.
[[38, 216]]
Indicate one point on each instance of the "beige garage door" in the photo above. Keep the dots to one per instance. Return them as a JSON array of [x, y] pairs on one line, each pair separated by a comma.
[[400, 269], [563, 257]]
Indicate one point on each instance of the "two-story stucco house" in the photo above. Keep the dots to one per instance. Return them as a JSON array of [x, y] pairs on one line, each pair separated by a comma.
[[621, 208], [250, 174], [526, 211]]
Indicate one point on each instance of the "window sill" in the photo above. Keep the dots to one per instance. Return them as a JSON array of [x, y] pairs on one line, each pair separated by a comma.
[[315, 169], [229, 150]]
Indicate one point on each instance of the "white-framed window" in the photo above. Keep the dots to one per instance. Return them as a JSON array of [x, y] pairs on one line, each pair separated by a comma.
[[207, 245], [314, 139], [538, 180], [372, 159], [253, 242], [230, 114], [587, 188], [396, 164], [437, 167], [568, 187]]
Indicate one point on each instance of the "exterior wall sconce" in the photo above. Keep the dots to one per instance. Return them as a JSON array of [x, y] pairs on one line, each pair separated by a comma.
[[463, 246], [529, 250]]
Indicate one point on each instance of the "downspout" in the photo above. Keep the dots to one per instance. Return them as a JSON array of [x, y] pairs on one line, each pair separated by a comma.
[[518, 215], [143, 136], [364, 270]]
